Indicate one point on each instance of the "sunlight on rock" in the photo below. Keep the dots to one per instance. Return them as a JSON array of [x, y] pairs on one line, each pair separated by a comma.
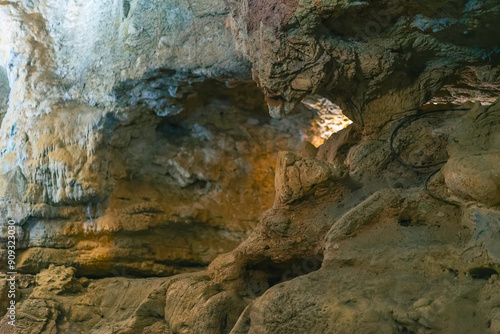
[[329, 118]]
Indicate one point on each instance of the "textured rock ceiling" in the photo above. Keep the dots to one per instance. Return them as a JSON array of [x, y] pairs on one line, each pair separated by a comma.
[[172, 168], [373, 58]]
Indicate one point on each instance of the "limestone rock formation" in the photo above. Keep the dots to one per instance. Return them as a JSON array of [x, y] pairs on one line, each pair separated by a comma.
[[375, 59], [167, 171], [171, 145]]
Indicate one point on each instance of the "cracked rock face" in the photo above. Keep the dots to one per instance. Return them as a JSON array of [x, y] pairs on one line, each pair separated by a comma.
[[90, 160], [374, 59], [171, 166]]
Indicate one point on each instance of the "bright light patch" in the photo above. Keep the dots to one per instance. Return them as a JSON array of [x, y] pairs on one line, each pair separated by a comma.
[[328, 118]]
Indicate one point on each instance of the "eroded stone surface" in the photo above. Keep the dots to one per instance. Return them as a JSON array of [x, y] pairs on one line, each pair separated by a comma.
[[375, 59], [134, 145]]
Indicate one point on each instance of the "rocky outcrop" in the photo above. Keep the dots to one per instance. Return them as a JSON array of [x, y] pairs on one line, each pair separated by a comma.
[[186, 188], [91, 169], [153, 192], [361, 255], [472, 171], [374, 59]]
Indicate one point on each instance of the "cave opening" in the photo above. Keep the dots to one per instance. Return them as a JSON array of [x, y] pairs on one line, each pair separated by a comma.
[[183, 156], [327, 118], [220, 145]]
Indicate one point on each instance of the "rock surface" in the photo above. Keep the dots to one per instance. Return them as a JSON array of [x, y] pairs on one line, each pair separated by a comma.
[[150, 163], [154, 193], [374, 59]]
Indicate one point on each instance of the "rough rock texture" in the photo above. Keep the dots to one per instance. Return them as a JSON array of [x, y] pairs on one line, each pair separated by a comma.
[[472, 171], [92, 170], [190, 188], [4, 92], [375, 59], [153, 193]]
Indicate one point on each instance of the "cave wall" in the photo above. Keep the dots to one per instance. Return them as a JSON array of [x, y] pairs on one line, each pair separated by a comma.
[[374, 59], [161, 150], [89, 163]]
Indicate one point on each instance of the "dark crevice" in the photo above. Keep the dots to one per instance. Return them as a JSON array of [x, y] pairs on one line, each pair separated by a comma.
[[264, 274]]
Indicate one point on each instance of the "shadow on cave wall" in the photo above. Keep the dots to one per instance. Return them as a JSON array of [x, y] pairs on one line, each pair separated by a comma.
[[4, 93]]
